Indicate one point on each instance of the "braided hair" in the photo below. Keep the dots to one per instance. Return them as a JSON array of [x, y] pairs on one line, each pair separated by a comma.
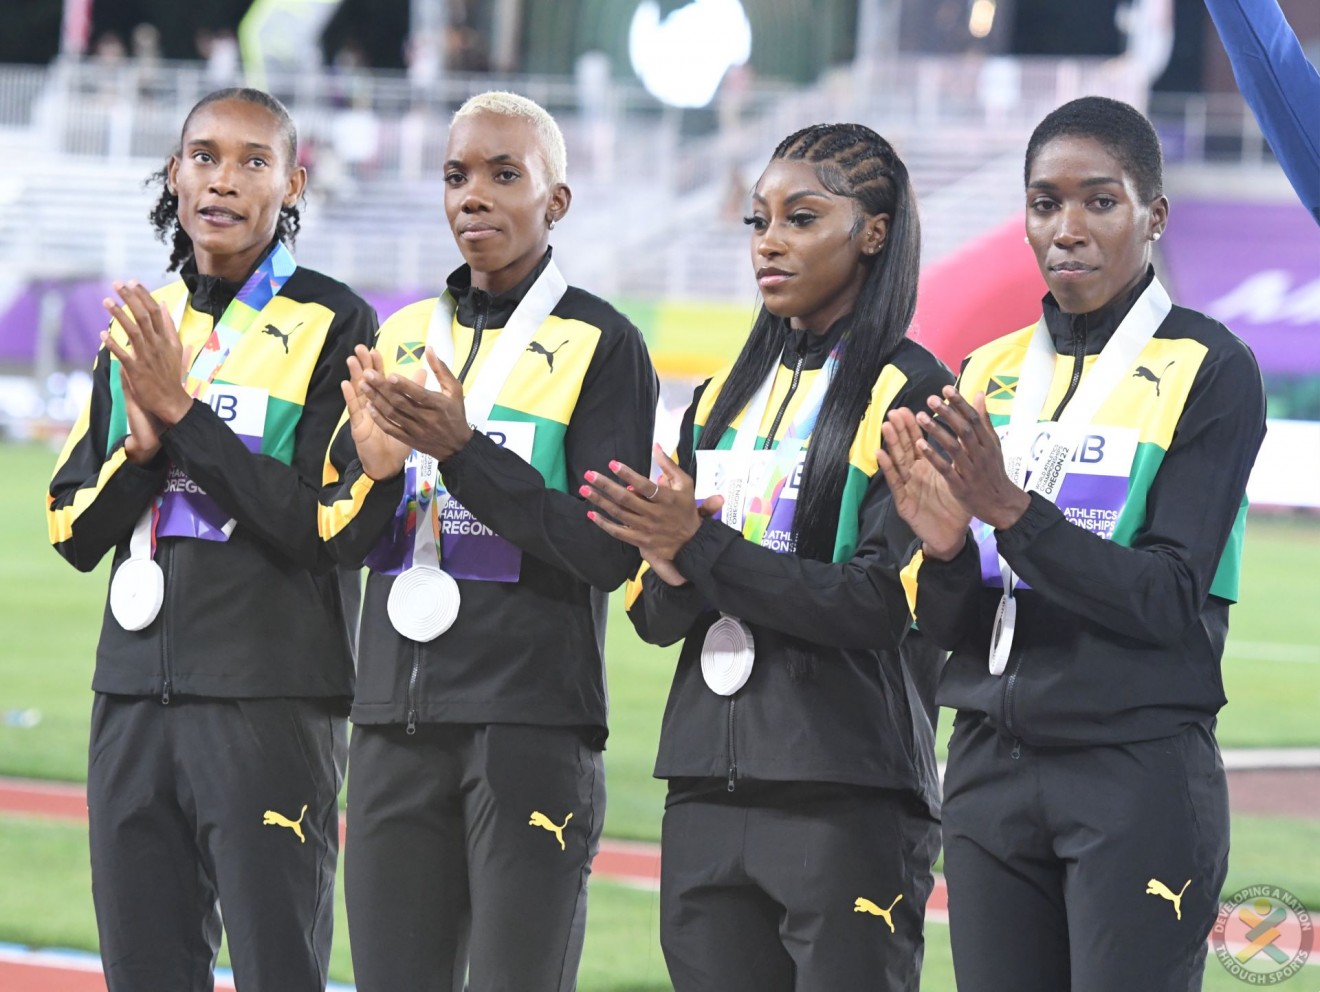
[[851, 160], [165, 214]]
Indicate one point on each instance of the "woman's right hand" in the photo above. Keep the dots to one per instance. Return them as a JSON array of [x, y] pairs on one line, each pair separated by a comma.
[[664, 568], [921, 496], [382, 456], [144, 430]]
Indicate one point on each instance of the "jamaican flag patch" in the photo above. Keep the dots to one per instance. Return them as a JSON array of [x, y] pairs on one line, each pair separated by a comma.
[[410, 351]]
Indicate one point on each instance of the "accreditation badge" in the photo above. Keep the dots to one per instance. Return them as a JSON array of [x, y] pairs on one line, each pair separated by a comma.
[[759, 488], [470, 549], [185, 509], [1092, 496]]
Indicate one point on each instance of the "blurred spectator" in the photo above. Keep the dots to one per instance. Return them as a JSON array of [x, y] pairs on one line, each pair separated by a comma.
[[466, 50], [220, 51], [145, 42], [1280, 85], [595, 99]]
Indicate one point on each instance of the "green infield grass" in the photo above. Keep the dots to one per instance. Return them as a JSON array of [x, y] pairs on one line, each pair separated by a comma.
[[45, 902]]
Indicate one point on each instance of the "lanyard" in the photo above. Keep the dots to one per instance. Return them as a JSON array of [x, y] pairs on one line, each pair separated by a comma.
[[1061, 439], [138, 587], [479, 400], [260, 288], [728, 651], [804, 423]]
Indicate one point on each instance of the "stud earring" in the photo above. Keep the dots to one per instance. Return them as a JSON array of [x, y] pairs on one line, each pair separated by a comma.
[[550, 223], [1026, 240], [1156, 236]]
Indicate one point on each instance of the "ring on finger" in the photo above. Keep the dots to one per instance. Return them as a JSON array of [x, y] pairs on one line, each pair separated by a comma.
[[653, 494]]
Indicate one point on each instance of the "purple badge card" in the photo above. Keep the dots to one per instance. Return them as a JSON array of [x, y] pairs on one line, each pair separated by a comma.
[[185, 509], [470, 549], [1092, 496]]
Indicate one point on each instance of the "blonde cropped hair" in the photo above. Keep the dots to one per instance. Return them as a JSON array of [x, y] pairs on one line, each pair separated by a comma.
[[513, 105]]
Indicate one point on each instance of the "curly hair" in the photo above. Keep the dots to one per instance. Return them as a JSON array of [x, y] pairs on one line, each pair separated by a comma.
[[164, 215]]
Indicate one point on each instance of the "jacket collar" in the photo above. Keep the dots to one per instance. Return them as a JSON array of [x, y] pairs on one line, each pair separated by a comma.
[[1096, 327], [814, 348], [211, 294], [497, 309]]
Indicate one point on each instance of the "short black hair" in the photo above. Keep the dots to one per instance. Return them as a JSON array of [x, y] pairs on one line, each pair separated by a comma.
[[165, 214], [1120, 127]]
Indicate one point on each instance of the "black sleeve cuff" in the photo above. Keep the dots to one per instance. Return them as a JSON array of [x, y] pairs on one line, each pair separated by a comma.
[[456, 462], [152, 472], [967, 559], [1039, 515], [697, 558]]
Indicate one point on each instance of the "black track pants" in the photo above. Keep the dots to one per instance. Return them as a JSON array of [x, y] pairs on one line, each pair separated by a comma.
[[1093, 869], [196, 803], [797, 895], [468, 850]]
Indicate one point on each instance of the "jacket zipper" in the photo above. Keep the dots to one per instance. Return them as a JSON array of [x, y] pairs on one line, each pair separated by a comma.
[[769, 442], [167, 679], [477, 328], [733, 754], [412, 688], [1079, 362], [788, 397]]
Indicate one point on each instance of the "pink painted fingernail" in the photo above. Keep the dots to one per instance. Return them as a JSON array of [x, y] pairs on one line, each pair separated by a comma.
[[591, 515], [589, 476], [615, 466], [584, 490]]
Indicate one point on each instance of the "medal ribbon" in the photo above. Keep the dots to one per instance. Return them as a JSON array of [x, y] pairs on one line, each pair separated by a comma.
[[753, 524], [1048, 471], [479, 400], [728, 652], [261, 287]]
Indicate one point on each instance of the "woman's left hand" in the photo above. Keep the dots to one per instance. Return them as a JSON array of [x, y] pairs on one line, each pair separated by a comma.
[[658, 519], [153, 362], [972, 461], [433, 422]]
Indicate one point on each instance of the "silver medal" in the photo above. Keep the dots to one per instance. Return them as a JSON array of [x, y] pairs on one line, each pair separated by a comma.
[[136, 593], [727, 655], [423, 603], [1001, 639]]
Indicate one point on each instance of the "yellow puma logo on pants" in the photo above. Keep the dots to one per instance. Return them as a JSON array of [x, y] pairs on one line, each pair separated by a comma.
[[272, 819], [867, 906], [1157, 888], [545, 823]]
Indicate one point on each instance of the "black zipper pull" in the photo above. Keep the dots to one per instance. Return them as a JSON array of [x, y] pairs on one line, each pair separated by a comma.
[[412, 722], [165, 693], [1017, 749], [733, 774]]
